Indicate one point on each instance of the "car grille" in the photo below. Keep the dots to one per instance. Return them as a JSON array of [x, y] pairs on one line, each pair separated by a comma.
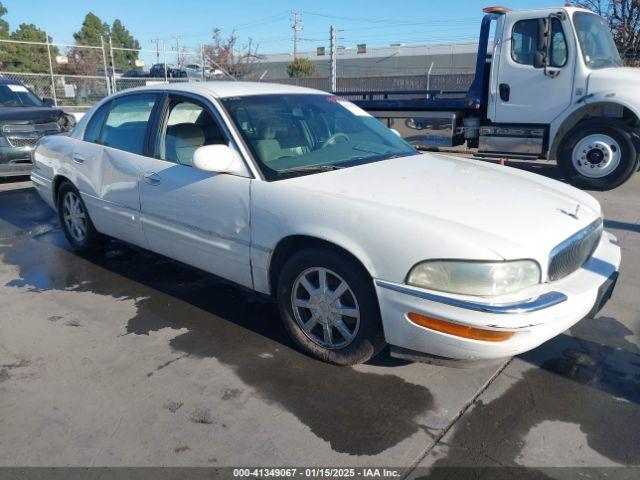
[[571, 254], [26, 135], [22, 142]]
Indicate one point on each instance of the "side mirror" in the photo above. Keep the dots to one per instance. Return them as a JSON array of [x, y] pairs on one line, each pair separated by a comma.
[[540, 58], [219, 159], [48, 102]]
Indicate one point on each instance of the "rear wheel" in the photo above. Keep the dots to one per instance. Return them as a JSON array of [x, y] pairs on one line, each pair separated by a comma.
[[598, 155], [74, 218], [329, 307]]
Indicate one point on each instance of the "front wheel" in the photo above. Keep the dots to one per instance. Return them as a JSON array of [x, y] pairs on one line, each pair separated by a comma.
[[599, 155], [329, 307]]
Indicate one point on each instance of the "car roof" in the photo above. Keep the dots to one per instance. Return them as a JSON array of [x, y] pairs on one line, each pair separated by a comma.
[[224, 89]]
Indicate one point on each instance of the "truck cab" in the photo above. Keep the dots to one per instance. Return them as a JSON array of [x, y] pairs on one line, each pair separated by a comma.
[[549, 84]]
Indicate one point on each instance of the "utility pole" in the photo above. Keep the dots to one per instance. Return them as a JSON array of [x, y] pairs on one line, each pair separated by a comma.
[[297, 28], [333, 59], [178, 62], [202, 62], [157, 42]]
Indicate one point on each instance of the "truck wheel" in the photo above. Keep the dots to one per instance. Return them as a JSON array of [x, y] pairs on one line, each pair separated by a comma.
[[599, 155], [74, 218], [329, 307]]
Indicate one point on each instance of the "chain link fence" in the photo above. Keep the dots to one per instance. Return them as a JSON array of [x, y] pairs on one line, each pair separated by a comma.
[[77, 76]]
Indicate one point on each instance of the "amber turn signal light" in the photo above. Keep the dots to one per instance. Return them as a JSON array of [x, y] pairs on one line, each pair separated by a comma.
[[459, 330]]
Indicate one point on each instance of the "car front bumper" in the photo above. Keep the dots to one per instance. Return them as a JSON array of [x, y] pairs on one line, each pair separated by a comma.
[[15, 161], [556, 307]]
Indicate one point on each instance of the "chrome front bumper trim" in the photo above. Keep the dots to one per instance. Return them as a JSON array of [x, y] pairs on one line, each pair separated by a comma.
[[545, 300]]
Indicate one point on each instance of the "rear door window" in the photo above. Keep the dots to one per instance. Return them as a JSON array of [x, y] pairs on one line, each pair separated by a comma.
[[126, 124], [94, 128]]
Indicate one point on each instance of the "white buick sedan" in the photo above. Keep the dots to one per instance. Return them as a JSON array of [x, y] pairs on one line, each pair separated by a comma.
[[300, 195]]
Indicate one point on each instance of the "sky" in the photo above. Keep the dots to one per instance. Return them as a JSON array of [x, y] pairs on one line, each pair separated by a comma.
[[268, 23]]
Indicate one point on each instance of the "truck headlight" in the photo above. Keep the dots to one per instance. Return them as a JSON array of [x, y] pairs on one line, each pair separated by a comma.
[[475, 278]]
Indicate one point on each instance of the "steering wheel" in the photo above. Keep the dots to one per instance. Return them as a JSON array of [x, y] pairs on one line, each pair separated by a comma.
[[333, 139]]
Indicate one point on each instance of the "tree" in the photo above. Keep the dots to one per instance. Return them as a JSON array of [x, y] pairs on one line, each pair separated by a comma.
[[4, 33], [4, 25], [92, 29], [301, 67], [28, 58], [121, 38], [623, 17], [89, 61], [224, 54]]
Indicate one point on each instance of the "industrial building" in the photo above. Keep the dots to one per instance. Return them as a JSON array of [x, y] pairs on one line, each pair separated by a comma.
[[386, 61]]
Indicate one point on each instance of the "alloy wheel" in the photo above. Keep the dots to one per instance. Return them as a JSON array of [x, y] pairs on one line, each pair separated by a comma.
[[75, 217], [325, 308]]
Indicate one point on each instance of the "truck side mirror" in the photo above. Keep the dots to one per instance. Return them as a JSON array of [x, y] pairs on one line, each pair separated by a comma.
[[48, 102], [540, 58]]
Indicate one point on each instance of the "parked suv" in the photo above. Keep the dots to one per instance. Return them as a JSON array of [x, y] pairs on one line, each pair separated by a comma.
[[24, 118]]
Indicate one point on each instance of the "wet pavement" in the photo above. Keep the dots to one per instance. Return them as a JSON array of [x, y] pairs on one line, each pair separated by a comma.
[[126, 358]]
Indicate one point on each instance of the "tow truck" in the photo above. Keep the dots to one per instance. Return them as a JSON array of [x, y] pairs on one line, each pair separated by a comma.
[[549, 84]]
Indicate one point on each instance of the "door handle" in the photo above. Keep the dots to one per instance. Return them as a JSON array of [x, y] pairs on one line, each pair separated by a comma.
[[152, 178], [505, 92], [78, 158]]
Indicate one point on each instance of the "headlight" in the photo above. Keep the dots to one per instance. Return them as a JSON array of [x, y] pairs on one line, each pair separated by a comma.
[[475, 278]]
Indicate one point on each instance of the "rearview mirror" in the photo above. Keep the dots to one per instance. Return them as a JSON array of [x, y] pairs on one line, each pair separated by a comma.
[[219, 159], [48, 102]]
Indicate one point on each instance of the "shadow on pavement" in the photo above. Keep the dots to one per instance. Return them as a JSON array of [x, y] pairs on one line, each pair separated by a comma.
[[631, 227]]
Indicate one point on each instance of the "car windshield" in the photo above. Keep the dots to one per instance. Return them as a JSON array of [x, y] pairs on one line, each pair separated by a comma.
[[18, 96], [298, 134], [596, 42]]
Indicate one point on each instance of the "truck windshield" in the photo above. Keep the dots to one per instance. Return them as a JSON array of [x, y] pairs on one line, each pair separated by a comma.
[[18, 96], [298, 134], [596, 42]]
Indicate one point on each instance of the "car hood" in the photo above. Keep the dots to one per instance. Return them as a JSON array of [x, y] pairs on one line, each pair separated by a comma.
[[510, 210], [613, 80], [29, 114]]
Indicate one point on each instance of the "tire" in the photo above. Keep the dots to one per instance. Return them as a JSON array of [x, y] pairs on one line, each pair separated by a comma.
[[599, 154], [74, 218], [365, 329]]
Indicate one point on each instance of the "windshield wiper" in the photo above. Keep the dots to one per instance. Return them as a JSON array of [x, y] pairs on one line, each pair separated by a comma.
[[310, 169]]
